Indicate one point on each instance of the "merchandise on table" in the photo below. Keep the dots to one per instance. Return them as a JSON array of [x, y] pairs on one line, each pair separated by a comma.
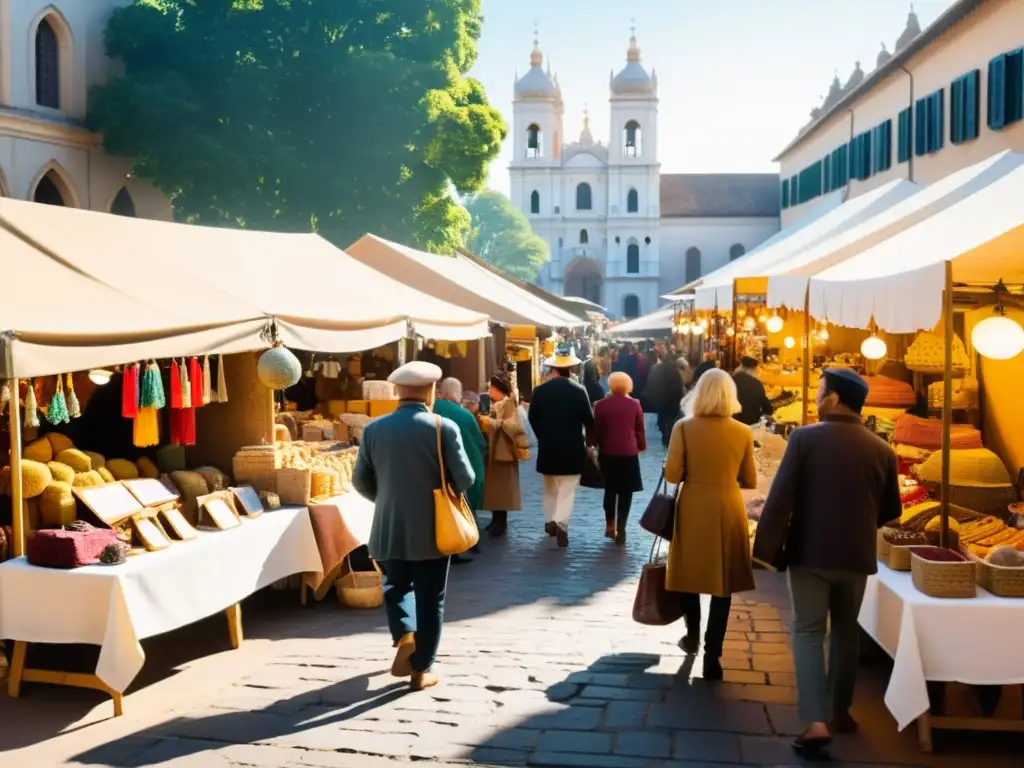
[[927, 434], [884, 392], [927, 354]]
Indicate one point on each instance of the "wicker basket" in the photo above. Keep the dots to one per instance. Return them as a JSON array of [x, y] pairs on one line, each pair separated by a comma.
[[943, 579], [360, 589], [261, 480], [294, 485], [895, 556], [999, 580]]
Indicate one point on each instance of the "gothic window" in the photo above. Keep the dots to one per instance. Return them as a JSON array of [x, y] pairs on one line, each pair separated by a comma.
[[736, 251], [123, 204], [632, 201], [47, 192], [631, 139], [47, 66], [632, 259], [584, 237], [584, 197], [535, 202], [630, 306], [692, 264], [533, 141]]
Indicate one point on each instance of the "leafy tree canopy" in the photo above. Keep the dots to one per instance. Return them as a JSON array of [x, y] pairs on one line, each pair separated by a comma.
[[501, 235], [345, 116]]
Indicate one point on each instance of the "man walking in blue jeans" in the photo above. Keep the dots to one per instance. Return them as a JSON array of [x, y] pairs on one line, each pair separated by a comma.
[[399, 468], [838, 483]]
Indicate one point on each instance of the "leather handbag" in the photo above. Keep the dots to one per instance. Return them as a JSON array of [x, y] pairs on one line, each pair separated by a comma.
[[591, 476], [659, 517], [455, 528], [654, 605]]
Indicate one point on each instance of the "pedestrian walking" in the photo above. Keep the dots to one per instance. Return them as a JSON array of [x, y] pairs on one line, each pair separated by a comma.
[[838, 483], [560, 415], [620, 437], [449, 406], [754, 402], [665, 391], [501, 479], [398, 468], [712, 455]]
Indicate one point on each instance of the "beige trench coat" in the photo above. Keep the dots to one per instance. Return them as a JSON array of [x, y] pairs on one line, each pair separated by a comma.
[[501, 478], [710, 551]]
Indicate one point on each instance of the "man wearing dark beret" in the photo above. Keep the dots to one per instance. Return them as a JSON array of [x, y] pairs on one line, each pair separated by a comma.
[[838, 483], [750, 392]]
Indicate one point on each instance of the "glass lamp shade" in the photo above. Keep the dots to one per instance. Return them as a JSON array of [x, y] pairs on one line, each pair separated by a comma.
[[873, 348], [100, 376], [774, 324], [730, 331], [684, 329], [998, 338], [789, 341], [823, 334], [748, 323]]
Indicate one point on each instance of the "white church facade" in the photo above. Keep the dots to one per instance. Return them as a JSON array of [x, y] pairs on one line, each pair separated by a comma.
[[619, 232]]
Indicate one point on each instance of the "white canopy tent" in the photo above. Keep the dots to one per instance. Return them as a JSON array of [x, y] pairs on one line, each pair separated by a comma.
[[900, 282], [657, 322], [787, 280], [458, 280]]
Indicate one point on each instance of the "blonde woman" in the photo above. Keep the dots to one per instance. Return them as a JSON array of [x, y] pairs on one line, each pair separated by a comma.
[[712, 455]]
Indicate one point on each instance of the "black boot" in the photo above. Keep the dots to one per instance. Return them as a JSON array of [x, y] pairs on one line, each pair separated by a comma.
[[499, 524]]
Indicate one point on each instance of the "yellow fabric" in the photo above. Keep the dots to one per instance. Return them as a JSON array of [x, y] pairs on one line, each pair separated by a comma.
[[146, 432], [455, 528], [973, 468]]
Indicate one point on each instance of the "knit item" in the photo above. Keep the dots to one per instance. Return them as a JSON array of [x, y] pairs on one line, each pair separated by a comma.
[[57, 411], [928, 353], [31, 406], [130, 391], [973, 468], [151, 390], [207, 381], [927, 434], [884, 392], [146, 429], [222, 384]]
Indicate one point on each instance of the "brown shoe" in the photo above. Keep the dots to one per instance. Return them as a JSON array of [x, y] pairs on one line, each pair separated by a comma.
[[609, 530], [563, 538], [402, 665], [422, 680], [551, 529]]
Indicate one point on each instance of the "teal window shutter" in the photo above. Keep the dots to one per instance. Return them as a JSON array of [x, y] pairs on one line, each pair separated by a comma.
[[785, 193], [972, 83], [1014, 111], [956, 111], [938, 120], [903, 140], [997, 93], [921, 127], [827, 173]]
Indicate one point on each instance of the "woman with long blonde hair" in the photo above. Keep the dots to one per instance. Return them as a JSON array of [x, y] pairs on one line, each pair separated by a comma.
[[712, 455]]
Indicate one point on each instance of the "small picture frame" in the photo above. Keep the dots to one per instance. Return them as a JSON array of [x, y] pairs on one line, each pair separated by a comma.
[[248, 501], [180, 527], [218, 516], [151, 534]]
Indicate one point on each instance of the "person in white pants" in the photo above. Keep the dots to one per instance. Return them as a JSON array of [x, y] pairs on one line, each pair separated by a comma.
[[560, 415]]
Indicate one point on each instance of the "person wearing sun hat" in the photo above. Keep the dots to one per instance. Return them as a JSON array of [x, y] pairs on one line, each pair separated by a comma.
[[398, 469], [560, 415], [504, 427]]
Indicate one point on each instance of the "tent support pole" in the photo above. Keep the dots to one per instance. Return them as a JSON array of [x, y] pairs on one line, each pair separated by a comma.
[[808, 352], [735, 327], [947, 401], [18, 518]]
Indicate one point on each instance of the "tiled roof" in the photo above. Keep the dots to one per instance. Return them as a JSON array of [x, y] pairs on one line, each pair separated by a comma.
[[719, 194]]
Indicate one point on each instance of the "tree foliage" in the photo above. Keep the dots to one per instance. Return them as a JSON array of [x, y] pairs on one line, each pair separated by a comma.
[[501, 235], [345, 116]]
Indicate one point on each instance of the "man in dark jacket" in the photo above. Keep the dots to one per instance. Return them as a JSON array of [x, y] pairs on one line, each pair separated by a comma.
[[560, 415], [837, 484], [665, 392], [706, 365], [750, 392]]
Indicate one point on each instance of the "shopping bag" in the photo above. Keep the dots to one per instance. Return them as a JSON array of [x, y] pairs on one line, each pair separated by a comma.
[[455, 528], [654, 605], [659, 517], [591, 477]]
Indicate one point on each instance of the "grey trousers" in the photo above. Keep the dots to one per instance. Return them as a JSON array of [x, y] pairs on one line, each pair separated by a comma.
[[820, 598]]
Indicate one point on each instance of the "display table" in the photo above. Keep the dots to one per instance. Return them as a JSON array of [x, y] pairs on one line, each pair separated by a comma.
[[115, 607], [973, 641], [341, 525]]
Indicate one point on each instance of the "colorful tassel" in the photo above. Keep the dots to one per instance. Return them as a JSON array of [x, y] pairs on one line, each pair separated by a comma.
[[31, 407], [174, 382], [74, 407], [185, 384], [146, 428], [57, 412], [207, 381], [195, 375], [130, 391], [222, 384], [151, 390]]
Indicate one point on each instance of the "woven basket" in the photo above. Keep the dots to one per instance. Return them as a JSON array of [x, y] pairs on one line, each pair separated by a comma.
[[361, 589], [256, 461], [895, 556], [999, 580], [261, 480], [294, 485], [943, 579]]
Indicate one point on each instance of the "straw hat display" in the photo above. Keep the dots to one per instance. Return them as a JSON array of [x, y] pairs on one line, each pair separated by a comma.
[[562, 359]]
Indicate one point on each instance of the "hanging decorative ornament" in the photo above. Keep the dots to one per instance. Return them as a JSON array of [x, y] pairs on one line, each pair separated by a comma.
[[748, 323], [774, 324], [74, 407], [278, 368], [5, 396], [222, 384], [998, 338], [684, 328], [31, 406], [789, 341], [873, 348], [730, 331], [823, 334], [57, 411], [207, 381], [762, 318]]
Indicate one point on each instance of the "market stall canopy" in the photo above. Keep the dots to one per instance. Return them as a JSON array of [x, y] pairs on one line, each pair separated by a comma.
[[458, 280], [656, 323], [787, 279], [900, 282], [752, 272], [826, 205]]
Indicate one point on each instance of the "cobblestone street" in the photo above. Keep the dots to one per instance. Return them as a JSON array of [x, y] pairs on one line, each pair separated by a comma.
[[540, 664]]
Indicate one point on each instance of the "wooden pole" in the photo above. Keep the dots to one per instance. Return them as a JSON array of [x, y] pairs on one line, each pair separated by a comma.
[[735, 327], [808, 352], [19, 522], [947, 402]]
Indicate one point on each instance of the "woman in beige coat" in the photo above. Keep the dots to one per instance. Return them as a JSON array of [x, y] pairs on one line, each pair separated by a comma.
[[501, 477], [712, 454]]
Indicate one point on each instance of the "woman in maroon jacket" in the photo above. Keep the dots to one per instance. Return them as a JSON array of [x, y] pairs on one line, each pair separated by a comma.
[[619, 435]]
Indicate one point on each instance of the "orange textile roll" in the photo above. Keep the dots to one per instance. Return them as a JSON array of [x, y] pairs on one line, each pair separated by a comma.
[[927, 433], [884, 392]]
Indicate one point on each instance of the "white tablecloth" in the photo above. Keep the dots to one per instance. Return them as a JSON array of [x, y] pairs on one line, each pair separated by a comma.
[[117, 606], [975, 641]]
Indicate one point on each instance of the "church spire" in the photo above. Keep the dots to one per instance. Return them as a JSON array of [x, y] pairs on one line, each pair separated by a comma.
[[912, 30], [633, 52], [536, 57], [586, 137]]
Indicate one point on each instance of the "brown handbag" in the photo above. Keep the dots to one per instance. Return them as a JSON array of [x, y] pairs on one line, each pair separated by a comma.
[[659, 517], [654, 605]]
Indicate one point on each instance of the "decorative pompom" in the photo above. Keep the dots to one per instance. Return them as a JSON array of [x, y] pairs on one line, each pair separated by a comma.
[[114, 553], [278, 368], [74, 408]]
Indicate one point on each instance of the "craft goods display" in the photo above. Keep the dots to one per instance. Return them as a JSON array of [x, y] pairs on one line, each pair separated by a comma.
[[978, 479], [927, 434], [884, 392], [1001, 571], [942, 573], [297, 471], [927, 354]]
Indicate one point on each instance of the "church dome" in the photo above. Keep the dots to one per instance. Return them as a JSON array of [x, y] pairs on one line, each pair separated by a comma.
[[883, 56], [536, 83], [912, 30], [633, 78]]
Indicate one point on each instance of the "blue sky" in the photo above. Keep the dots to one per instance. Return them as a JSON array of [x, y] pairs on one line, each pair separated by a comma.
[[737, 78]]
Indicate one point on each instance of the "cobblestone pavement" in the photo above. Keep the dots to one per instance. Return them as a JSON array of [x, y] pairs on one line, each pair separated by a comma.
[[541, 666]]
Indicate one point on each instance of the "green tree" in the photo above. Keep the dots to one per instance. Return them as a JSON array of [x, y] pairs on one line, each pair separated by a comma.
[[501, 235], [344, 116]]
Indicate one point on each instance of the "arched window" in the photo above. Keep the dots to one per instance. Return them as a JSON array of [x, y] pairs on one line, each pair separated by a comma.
[[630, 306], [632, 259], [692, 264], [123, 204], [535, 202], [48, 192], [736, 251], [584, 237], [47, 66], [632, 139], [560, 242], [584, 197], [632, 201], [533, 141]]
